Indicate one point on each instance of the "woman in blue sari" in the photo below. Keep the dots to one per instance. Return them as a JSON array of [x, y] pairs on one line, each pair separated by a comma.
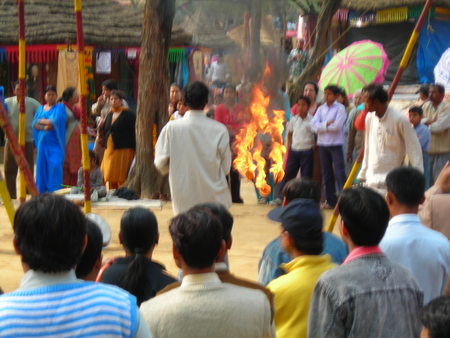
[[49, 132]]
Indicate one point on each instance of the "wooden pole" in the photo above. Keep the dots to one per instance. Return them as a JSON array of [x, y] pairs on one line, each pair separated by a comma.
[[21, 94], [83, 115], [393, 86]]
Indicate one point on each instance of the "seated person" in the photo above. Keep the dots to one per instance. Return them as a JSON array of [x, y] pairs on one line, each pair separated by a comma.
[[95, 178], [50, 236], [274, 255], [136, 272], [91, 260]]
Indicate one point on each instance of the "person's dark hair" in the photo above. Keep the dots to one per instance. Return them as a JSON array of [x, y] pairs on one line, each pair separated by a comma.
[[93, 250], [197, 235], [68, 93], [376, 92], [365, 215], [50, 88], [49, 231], [440, 88], [93, 156], [110, 84], [436, 317], [120, 94], [139, 234], [196, 95], [301, 188], [424, 89], [407, 184], [224, 216], [304, 98], [334, 89], [312, 83], [416, 109]]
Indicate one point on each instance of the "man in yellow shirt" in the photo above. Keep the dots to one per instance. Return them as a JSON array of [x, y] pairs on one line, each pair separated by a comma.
[[302, 238]]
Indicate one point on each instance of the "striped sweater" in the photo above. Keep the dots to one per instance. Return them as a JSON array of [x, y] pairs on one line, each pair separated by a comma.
[[69, 310]]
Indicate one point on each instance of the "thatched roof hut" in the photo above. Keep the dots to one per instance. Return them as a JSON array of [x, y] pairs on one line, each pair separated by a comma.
[[106, 23], [362, 5]]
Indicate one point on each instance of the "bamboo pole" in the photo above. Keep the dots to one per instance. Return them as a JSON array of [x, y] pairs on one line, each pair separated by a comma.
[[83, 116], [403, 63], [21, 94], [19, 154]]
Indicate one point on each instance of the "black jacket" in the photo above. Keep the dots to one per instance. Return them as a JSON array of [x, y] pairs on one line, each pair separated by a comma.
[[122, 130]]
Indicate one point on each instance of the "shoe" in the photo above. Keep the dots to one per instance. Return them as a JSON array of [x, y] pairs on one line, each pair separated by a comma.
[[276, 202], [239, 201], [262, 200]]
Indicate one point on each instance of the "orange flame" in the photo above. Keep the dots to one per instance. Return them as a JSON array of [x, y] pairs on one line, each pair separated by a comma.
[[249, 160]]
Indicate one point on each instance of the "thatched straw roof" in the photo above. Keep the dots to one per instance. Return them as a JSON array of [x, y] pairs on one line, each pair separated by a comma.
[[106, 23], [382, 4]]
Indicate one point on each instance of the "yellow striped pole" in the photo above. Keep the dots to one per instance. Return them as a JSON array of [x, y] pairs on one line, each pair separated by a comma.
[[21, 94], [83, 117], [4, 193], [409, 48]]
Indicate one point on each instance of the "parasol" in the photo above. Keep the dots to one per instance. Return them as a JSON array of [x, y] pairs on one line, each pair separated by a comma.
[[361, 63], [442, 69]]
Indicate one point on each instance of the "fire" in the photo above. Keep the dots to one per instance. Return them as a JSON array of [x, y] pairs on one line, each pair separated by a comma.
[[249, 160]]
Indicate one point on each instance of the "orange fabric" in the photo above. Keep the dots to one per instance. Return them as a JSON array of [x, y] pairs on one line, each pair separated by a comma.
[[115, 164], [360, 121]]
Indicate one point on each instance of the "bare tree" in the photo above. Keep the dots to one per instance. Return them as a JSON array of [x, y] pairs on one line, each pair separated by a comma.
[[153, 93], [313, 68]]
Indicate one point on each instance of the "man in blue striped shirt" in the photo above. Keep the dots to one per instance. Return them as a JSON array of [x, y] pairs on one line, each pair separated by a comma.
[[50, 236]]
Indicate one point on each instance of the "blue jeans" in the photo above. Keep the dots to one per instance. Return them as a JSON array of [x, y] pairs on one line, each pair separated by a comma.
[[297, 159], [333, 171]]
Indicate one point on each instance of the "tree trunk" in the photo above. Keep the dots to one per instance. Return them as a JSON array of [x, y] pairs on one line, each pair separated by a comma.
[[153, 97], [255, 33], [314, 66]]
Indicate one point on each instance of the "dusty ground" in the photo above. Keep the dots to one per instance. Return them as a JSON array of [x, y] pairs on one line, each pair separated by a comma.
[[251, 232]]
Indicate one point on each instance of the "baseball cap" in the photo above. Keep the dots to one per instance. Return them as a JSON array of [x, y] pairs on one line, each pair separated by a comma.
[[302, 218]]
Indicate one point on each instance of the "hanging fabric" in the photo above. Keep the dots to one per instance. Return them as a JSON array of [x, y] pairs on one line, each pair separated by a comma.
[[392, 15], [67, 71]]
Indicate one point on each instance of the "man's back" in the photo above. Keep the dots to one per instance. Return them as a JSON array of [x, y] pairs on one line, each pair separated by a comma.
[[369, 296], [205, 307], [77, 309], [423, 251], [196, 150]]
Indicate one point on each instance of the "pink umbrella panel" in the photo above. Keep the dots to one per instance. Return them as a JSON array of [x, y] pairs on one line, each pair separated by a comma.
[[361, 63]]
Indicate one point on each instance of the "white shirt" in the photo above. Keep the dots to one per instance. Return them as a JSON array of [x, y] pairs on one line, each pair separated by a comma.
[[195, 151], [219, 72], [302, 133], [203, 306], [333, 134], [387, 141], [421, 250]]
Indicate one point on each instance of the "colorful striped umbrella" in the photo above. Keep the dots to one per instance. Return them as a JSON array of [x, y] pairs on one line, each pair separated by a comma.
[[361, 63]]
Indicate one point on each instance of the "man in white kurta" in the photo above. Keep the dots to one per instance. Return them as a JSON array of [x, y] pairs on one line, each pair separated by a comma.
[[195, 151], [388, 139]]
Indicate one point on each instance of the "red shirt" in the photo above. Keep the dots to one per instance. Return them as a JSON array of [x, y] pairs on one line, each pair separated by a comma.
[[231, 120]]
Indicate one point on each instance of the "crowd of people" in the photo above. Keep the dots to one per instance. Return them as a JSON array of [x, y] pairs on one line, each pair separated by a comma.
[[388, 275]]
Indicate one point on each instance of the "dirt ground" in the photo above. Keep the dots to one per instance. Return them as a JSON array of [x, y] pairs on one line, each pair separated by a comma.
[[251, 232]]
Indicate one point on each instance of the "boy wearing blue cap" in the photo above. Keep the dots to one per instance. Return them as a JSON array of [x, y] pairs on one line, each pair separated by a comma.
[[302, 238]]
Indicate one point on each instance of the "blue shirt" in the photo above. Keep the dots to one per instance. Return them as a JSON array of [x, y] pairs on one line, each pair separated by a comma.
[[333, 134], [421, 250], [274, 255], [424, 136]]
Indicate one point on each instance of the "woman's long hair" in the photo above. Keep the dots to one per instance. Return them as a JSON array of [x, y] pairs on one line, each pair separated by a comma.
[[139, 233]]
